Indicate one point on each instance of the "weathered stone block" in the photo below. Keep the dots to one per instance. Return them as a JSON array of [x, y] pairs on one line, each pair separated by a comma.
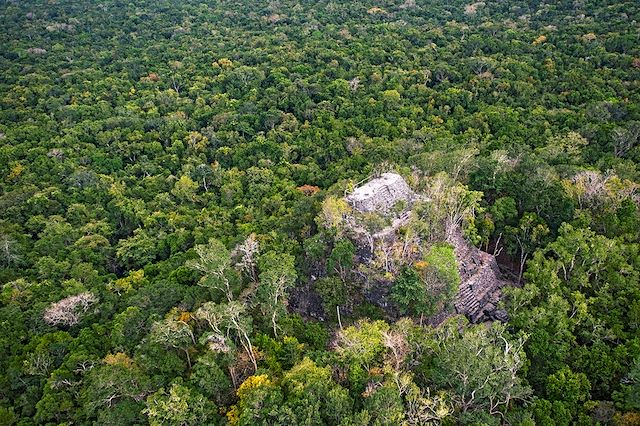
[[380, 195]]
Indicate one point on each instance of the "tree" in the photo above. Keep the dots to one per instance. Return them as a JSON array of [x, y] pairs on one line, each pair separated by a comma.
[[204, 174], [181, 406], [391, 97], [277, 276], [208, 377], [305, 395], [450, 205], [260, 392], [525, 238], [569, 387], [340, 260], [629, 396], [372, 224], [247, 253], [68, 311], [137, 251], [8, 250], [565, 149], [423, 408], [224, 318], [129, 327], [117, 382], [362, 344], [385, 405], [410, 294], [310, 393], [173, 332], [569, 312], [504, 212], [479, 366], [624, 139], [214, 263], [332, 215], [423, 288], [185, 189], [333, 292], [440, 274]]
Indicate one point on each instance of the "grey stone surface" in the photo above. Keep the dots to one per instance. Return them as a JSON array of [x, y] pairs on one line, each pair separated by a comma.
[[381, 194], [481, 282]]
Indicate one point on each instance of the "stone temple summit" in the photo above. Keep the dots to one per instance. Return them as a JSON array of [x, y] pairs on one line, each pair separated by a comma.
[[381, 194], [481, 280]]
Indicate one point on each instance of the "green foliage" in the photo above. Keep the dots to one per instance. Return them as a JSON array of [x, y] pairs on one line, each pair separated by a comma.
[[385, 406], [441, 272], [208, 377], [136, 251], [575, 285], [551, 413], [569, 387], [363, 343], [503, 212], [279, 355], [214, 263], [277, 276], [118, 383], [306, 395], [410, 293], [185, 163], [315, 247], [129, 327], [310, 333], [7, 416], [179, 406], [523, 239], [479, 366], [333, 291], [629, 396], [340, 260], [425, 291]]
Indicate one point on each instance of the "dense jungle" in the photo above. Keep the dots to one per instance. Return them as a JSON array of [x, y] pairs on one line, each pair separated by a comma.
[[179, 246]]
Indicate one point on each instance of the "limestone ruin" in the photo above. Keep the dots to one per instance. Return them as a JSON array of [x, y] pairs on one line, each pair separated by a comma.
[[381, 194], [481, 283]]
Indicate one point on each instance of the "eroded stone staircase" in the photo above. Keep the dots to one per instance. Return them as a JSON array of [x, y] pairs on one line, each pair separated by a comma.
[[481, 281]]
